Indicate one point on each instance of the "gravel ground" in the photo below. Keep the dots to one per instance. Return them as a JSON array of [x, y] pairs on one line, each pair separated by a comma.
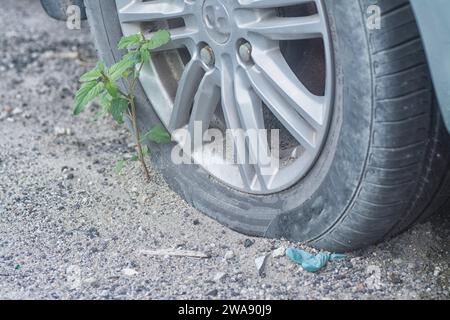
[[72, 229]]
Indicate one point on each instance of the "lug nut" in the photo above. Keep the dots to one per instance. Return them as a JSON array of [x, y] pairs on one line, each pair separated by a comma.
[[207, 56], [245, 52]]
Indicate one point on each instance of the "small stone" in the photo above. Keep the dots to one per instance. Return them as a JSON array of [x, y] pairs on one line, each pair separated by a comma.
[[248, 243], [129, 272], [261, 264], [104, 294], [62, 131], [395, 278], [26, 115], [229, 255], [16, 111], [69, 176], [360, 287], [437, 271], [213, 293], [196, 222], [219, 276], [278, 253]]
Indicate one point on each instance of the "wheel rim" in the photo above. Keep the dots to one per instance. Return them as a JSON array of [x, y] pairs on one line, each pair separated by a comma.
[[232, 64]]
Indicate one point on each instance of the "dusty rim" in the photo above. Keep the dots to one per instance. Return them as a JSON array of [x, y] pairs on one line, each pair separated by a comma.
[[242, 64]]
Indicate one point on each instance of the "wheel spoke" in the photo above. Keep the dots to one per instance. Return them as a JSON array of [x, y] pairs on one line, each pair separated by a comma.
[[299, 110], [250, 111], [298, 28], [205, 102], [275, 68], [187, 88], [158, 10], [233, 122], [261, 4], [180, 38]]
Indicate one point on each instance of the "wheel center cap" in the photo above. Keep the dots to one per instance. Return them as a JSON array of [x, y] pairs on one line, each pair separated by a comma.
[[217, 21]]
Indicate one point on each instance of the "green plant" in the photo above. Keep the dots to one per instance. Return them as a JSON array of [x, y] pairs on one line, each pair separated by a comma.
[[102, 84]]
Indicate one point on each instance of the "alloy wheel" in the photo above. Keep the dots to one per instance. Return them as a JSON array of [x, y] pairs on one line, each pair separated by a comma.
[[242, 64]]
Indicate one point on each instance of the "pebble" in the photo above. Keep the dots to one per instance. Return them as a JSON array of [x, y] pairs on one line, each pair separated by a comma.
[[213, 293], [280, 252], [16, 111], [261, 264], [62, 131], [229, 255], [219, 276], [69, 176], [129, 272], [248, 243]]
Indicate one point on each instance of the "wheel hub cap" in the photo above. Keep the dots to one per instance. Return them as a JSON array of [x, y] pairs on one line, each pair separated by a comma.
[[217, 21]]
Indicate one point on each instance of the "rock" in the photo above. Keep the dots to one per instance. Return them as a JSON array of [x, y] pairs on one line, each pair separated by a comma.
[[261, 264], [196, 222], [69, 176], [395, 278], [26, 115], [437, 271], [374, 280], [129, 272], [248, 243], [229, 255], [280, 252], [213, 293], [3, 115], [62, 131], [219, 276], [104, 294], [360, 287], [16, 111]]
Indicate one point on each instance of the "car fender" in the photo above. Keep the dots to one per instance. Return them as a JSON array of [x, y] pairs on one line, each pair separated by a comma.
[[433, 19]]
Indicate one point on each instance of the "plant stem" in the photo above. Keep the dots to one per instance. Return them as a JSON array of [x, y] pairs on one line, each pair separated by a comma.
[[138, 138], [134, 121]]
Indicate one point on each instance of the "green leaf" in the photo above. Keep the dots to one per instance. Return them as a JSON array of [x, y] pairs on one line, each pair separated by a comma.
[[118, 107], [119, 166], [88, 92], [134, 56], [93, 74], [116, 71], [134, 158], [112, 89], [159, 135], [129, 41], [159, 39], [105, 101], [145, 55]]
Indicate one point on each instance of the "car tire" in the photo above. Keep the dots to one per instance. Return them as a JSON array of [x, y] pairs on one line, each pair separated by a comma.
[[384, 165]]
